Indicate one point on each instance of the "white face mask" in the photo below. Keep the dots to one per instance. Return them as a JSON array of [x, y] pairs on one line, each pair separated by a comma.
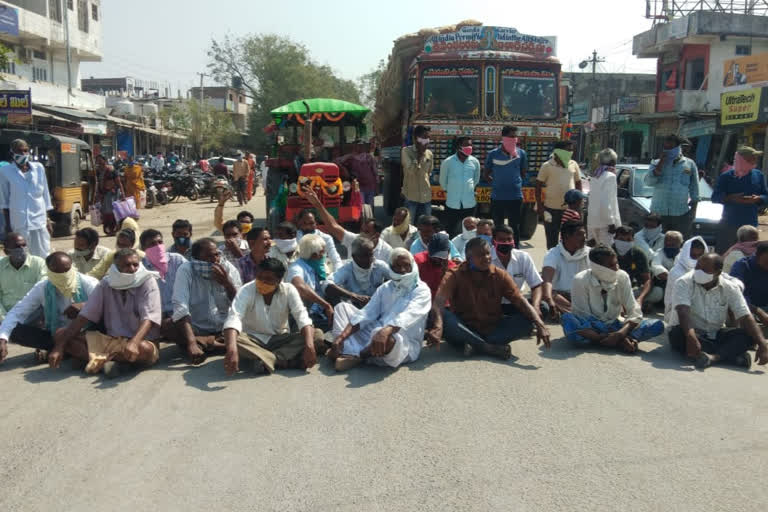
[[423, 142], [362, 275], [21, 159], [622, 246], [653, 234], [701, 277], [467, 234], [604, 274], [286, 246], [404, 283]]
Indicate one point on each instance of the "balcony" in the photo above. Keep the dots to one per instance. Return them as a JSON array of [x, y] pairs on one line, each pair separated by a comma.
[[682, 101]]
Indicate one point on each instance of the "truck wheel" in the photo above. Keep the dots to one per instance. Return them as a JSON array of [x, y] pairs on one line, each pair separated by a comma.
[[529, 223]]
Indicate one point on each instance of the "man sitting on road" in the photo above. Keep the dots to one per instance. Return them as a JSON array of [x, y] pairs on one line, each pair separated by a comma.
[[434, 262], [234, 247], [389, 330], [702, 303], [428, 226], [684, 263], [87, 252], [401, 230], [260, 243], [600, 295], [358, 279], [748, 238], [257, 325], [753, 273], [519, 265], [60, 297], [285, 248], [634, 262], [157, 259], [664, 260], [307, 225], [19, 271], [368, 227], [475, 320], [468, 232], [561, 264], [650, 239], [308, 275], [127, 303], [204, 289], [182, 236]]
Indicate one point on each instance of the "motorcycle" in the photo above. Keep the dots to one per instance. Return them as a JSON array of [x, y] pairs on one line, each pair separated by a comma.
[[183, 185], [219, 186], [151, 193]]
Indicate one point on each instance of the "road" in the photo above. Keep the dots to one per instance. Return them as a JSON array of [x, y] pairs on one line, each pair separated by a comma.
[[565, 430]]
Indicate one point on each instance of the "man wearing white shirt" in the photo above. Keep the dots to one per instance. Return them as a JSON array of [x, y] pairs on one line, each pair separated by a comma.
[[468, 232], [650, 239], [519, 265], [60, 298], [257, 326], [26, 200], [359, 278], [560, 266], [307, 225], [603, 207]]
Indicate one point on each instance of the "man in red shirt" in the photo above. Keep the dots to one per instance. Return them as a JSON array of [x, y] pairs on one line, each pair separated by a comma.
[[220, 169], [434, 262]]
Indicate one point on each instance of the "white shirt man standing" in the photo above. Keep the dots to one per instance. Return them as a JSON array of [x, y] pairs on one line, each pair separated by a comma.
[[26, 200]]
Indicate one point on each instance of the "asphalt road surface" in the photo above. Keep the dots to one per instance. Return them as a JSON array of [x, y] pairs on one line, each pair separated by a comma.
[[566, 430]]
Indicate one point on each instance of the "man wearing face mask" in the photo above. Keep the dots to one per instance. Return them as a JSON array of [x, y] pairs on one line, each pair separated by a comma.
[[285, 248], [127, 303], [401, 230], [675, 179], [505, 168], [428, 226], [685, 261], [182, 236], [634, 262], [742, 190], [260, 243], [389, 330], [60, 297], [307, 225], [600, 296], [519, 265], [358, 278], [257, 326], [308, 275], [664, 260], [418, 163], [559, 174], [25, 200], [702, 303], [650, 239], [435, 262], [468, 232], [87, 252], [204, 289], [157, 259], [753, 273], [475, 320], [234, 247], [19, 271], [459, 175], [560, 266]]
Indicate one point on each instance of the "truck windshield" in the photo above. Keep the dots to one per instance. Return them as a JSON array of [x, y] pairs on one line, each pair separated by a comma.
[[529, 93], [451, 91]]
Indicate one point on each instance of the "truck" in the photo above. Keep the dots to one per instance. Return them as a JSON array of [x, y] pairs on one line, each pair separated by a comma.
[[471, 80]]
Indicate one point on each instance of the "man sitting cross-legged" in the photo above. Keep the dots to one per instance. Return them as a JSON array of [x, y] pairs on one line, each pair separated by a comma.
[[475, 320], [358, 279], [599, 296], [60, 297], [389, 330], [127, 303], [257, 325]]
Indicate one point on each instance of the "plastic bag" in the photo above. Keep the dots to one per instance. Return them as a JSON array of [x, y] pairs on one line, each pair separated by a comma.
[[95, 213], [125, 208]]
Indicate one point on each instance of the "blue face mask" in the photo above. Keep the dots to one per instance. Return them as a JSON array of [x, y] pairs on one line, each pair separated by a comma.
[[318, 266], [671, 252], [181, 241], [672, 153], [487, 238]]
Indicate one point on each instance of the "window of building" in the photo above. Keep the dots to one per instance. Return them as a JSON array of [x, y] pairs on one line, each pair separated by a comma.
[[54, 10], [82, 15], [669, 79], [38, 54], [743, 49], [94, 12], [695, 73], [231, 98], [70, 5], [9, 68], [39, 74]]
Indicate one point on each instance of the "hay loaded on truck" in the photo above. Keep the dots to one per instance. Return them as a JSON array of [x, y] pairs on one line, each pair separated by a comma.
[[470, 80]]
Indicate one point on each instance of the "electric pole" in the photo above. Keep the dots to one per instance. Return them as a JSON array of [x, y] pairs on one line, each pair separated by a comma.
[[200, 113], [595, 61], [69, 55]]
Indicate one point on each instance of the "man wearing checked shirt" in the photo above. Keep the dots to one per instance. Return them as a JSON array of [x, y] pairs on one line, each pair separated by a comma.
[[675, 179]]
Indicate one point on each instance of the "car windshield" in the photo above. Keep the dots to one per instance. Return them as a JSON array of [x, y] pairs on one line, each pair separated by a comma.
[[451, 91], [528, 93], [640, 189]]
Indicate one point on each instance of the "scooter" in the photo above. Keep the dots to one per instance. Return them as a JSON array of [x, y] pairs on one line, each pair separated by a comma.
[[219, 186]]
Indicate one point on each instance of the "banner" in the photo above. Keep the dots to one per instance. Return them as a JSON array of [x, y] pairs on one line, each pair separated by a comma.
[[15, 102], [750, 69], [9, 20], [629, 105], [491, 38], [740, 107]]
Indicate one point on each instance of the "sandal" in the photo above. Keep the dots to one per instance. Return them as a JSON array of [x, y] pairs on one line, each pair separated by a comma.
[[41, 356]]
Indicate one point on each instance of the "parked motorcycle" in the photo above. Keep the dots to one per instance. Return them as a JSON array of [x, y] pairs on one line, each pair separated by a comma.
[[219, 186]]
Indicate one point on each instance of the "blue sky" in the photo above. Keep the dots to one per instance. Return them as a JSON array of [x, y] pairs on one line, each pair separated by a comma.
[[168, 39]]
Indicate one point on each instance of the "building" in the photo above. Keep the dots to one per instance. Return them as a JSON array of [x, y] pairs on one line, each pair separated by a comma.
[[702, 60], [226, 99], [126, 86], [36, 32]]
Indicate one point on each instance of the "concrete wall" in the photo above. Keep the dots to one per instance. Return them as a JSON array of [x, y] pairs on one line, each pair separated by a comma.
[[48, 94]]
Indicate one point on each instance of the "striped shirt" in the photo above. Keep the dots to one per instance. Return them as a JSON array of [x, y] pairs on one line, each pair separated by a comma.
[[570, 215]]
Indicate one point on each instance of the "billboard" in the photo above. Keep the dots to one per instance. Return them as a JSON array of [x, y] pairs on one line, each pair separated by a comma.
[[740, 107], [751, 69], [9, 20], [15, 102]]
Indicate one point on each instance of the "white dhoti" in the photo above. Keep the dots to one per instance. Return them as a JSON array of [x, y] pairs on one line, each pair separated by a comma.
[[356, 343], [38, 242]]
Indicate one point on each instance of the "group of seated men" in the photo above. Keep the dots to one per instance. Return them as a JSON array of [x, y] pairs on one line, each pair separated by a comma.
[[279, 303]]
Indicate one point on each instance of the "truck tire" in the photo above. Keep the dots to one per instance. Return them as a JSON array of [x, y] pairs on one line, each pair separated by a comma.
[[529, 223], [392, 185]]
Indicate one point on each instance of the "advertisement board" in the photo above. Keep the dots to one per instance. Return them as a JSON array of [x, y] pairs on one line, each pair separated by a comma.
[[740, 107], [750, 69]]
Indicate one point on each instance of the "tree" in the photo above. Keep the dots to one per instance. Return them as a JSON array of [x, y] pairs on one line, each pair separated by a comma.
[[208, 129], [274, 70], [6, 56], [369, 83]]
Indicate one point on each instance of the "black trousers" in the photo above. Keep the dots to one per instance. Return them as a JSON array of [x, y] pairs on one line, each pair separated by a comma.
[[454, 217], [509, 212], [552, 229], [32, 337], [729, 343]]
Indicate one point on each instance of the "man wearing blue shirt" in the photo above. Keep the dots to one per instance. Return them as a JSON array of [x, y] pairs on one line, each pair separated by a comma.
[[675, 179], [505, 168], [741, 190], [459, 175], [753, 272]]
